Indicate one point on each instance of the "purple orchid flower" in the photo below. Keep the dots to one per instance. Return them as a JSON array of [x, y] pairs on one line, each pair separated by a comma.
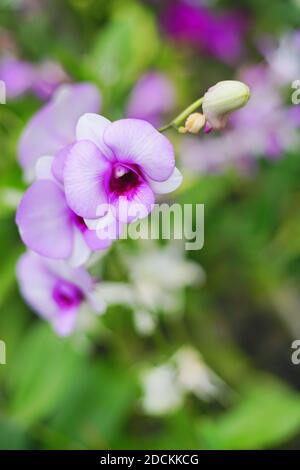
[[120, 165], [55, 291], [218, 35], [52, 128], [50, 228], [152, 97]]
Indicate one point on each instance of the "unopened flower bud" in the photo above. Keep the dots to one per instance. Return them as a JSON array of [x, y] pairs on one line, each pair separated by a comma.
[[194, 123], [222, 99]]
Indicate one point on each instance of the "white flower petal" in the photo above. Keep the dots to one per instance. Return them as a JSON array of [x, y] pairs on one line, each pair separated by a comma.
[[91, 127], [164, 187], [81, 251], [43, 168], [96, 302], [113, 293], [101, 222]]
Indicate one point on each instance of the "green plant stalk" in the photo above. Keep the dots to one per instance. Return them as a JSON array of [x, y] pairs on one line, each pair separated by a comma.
[[183, 115]]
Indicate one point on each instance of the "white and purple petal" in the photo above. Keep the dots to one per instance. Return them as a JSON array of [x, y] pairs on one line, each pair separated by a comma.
[[54, 290], [86, 174], [103, 231], [137, 206], [137, 142], [36, 284], [81, 251], [59, 163], [91, 127], [44, 168], [53, 126], [44, 222]]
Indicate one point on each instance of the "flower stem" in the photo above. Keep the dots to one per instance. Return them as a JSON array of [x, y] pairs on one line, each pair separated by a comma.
[[183, 115]]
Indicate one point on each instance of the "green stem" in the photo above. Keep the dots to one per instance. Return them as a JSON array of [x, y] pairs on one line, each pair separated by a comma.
[[182, 116]]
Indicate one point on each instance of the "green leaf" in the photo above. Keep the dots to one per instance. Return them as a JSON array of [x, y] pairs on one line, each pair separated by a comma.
[[43, 370], [12, 437], [125, 47], [101, 400]]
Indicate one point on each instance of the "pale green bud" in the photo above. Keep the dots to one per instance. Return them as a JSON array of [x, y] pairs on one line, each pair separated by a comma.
[[222, 99]]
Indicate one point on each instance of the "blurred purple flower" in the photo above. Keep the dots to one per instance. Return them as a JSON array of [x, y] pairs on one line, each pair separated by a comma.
[[266, 120], [21, 77], [152, 97], [53, 127], [220, 35], [265, 127], [55, 291], [49, 227], [48, 76], [120, 164], [284, 57]]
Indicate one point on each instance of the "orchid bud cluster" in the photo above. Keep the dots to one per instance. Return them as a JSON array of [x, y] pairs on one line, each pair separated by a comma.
[[217, 104]]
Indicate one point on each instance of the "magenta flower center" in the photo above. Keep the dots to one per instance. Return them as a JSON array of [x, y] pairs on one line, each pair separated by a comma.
[[67, 295], [124, 179]]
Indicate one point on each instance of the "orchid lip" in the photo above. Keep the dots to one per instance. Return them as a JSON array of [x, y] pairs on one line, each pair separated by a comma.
[[66, 295]]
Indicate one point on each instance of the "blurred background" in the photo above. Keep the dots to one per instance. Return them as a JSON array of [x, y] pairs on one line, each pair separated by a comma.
[[204, 362]]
